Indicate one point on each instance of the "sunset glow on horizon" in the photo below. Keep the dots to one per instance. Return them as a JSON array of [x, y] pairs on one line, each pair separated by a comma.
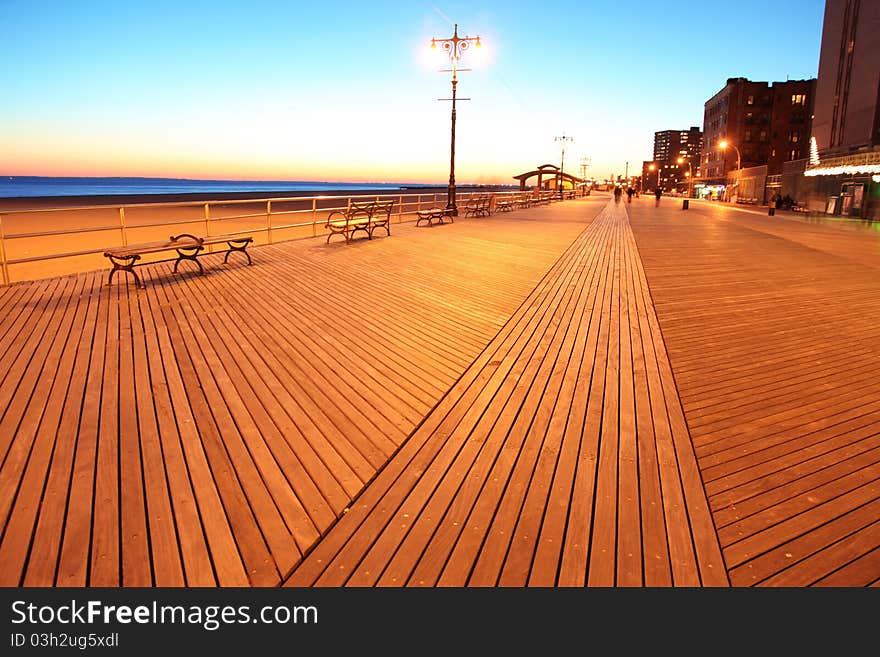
[[294, 91]]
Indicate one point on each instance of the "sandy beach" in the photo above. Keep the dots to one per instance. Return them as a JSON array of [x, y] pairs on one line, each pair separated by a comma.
[[86, 225]]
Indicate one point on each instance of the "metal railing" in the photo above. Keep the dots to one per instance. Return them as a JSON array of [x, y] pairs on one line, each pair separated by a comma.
[[277, 219]]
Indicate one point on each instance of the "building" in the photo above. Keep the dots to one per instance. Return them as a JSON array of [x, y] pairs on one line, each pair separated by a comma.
[[790, 122], [669, 147], [844, 169], [763, 125], [741, 106]]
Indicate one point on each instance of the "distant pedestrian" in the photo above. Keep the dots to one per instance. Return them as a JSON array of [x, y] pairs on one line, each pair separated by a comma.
[[629, 194], [617, 193], [657, 194]]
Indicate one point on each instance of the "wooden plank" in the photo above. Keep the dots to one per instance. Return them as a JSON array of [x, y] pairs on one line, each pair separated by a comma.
[[629, 516], [234, 473], [158, 546], [602, 565], [795, 472], [25, 469], [136, 566], [827, 543], [163, 456], [45, 550], [263, 440], [74, 559], [191, 455], [105, 567], [550, 423]]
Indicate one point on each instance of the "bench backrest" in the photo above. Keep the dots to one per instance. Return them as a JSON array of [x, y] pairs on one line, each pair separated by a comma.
[[383, 208], [360, 207]]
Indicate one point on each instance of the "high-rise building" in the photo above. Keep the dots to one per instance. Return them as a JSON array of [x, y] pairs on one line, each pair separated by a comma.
[[669, 147], [845, 169]]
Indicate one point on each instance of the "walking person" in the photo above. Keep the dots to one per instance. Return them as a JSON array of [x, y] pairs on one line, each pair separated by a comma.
[[657, 194], [629, 194]]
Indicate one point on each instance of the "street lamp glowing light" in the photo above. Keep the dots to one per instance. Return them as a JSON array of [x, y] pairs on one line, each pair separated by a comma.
[[723, 144], [687, 174]]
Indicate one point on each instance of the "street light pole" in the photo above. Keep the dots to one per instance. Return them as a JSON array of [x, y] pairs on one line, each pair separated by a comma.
[[563, 139], [651, 167], [689, 174], [724, 144], [455, 46]]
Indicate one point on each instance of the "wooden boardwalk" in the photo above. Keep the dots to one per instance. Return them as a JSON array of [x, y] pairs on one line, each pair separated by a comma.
[[208, 429], [560, 458], [582, 394], [771, 324]]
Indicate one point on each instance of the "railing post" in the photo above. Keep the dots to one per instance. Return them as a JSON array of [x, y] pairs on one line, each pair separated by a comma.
[[122, 225], [314, 217], [207, 229], [400, 209], [5, 264], [269, 219]]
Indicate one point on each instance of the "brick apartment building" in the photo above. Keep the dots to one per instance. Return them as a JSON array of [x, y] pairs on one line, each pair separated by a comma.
[[765, 125]]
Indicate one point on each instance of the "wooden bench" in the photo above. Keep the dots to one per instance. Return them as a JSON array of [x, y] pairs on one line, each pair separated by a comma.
[[507, 203], [478, 206], [434, 215], [381, 216], [544, 198], [364, 216], [188, 247]]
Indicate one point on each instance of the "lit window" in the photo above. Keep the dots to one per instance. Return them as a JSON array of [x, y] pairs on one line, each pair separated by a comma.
[[750, 100], [799, 99]]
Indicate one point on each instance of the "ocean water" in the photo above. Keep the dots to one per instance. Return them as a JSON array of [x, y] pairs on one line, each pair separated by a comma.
[[33, 186]]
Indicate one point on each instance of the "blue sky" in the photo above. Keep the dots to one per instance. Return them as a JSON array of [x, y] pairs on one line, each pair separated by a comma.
[[345, 91]]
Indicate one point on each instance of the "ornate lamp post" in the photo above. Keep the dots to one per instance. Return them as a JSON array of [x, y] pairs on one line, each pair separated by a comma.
[[455, 46]]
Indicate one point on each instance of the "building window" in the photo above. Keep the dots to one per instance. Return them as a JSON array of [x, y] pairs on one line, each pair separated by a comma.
[[794, 136], [763, 136], [799, 99], [750, 100], [773, 152], [748, 135], [794, 154]]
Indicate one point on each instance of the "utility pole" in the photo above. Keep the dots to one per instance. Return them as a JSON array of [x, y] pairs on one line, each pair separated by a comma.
[[563, 139], [585, 162]]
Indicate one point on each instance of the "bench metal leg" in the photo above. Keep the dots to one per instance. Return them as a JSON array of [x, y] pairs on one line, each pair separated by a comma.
[[240, 248], [182, 255], [125, 264]]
